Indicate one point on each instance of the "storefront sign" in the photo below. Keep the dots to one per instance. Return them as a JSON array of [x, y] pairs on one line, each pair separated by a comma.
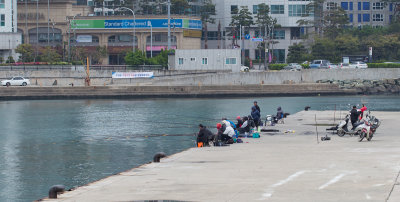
[[84, 39], [139, 23], [159, 48], [132, 75], [192, 33]]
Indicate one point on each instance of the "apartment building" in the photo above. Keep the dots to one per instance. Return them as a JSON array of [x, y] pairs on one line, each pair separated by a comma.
[[286, 12], [10, 39]]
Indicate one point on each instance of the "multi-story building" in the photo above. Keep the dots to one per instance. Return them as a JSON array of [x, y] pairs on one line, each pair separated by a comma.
[[10, 39], [70, 24], [286, 12], [364, 12]]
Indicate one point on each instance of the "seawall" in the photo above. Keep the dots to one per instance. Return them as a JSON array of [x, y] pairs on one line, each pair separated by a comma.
[[14, 93], [204, 78]]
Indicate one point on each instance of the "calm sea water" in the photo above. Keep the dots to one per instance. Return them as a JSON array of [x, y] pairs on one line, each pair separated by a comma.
[[74, 142]]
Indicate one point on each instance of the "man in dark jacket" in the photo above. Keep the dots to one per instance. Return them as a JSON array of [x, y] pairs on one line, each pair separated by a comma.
[[257, 107], [204, 135], [255, 114], [354, 114]]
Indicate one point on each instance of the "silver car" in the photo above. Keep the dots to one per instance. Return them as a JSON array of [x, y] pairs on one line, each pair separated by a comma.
[[16, 81]]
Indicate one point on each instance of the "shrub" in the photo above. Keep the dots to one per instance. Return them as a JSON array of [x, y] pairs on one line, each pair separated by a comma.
[[276, 66], [383, 65]]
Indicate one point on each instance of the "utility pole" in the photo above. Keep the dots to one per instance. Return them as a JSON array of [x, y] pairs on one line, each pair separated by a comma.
[[37, 30], [48, 22], [169, 24]]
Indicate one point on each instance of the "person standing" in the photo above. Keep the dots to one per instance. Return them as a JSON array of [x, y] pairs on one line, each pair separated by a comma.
[[255, 114], [363, 109], [257, 107], [354, 114]]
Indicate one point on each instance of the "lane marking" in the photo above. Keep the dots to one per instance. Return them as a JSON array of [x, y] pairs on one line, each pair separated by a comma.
[[334, 180], [268, 193]]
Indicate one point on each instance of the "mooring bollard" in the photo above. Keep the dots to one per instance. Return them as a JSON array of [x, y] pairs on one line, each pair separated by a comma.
[[158, 156], [54, 190], [307, 108]]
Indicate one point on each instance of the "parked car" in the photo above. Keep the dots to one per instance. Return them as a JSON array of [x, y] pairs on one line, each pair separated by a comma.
[[320, 64], [16, 81], [359, 65], [293, 67]]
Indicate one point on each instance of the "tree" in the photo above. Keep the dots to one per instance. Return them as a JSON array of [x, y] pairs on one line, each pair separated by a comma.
[[94, 56], [27, 52], [264, 22], [135, 58], [396, 8], [179, 7], [242, 18], [10, 59], [207, 13], [49, 55], [297, 53]]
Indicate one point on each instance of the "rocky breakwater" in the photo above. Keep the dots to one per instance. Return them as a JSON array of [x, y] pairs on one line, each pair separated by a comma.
[[368, 86]]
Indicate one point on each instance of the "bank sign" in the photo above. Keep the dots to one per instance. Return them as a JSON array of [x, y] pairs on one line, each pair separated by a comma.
[[139, 23]]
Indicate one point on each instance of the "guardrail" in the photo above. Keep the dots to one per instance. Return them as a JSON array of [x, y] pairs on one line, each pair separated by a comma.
[[80, 67]]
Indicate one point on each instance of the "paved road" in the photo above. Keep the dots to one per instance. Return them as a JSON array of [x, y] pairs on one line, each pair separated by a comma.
[[276, 167]]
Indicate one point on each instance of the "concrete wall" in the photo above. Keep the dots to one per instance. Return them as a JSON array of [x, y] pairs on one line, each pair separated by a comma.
[[202, 78]]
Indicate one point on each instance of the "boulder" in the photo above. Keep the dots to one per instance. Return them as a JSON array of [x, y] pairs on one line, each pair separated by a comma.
[[391, 81]]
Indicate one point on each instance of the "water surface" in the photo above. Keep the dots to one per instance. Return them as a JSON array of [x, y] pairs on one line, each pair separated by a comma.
[[74, 142]]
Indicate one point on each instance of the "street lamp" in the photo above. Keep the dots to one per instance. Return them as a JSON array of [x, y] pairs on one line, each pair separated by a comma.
[[69, 35], [134, 25], [151, 40]]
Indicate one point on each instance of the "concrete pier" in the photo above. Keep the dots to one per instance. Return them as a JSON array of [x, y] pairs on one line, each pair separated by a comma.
[[280, 166]]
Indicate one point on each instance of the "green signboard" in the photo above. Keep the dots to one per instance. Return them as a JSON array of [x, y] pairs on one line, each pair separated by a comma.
[[87, 24]]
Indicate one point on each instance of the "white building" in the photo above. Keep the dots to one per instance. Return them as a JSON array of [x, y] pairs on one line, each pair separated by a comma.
[[287, 13], [205, 59], [10, 39]]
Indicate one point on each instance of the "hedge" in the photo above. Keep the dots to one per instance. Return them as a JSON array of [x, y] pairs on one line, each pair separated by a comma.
[[383, 65], [276, 66]]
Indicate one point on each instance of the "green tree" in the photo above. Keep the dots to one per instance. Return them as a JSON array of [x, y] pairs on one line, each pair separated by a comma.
[[135, 58], [179, 7], [242, 18], [297, 53], [49, 55], [10, 59], [94, 56], [27, 52], [207, 13]]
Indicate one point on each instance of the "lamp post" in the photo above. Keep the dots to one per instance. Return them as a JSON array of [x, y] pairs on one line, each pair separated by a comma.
[[151, 40], [169, 24], [134, 25], [69, 36], [48, 23]]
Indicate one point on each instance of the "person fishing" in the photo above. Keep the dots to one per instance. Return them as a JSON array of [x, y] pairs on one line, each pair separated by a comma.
[[363, 109], [245, 128], [204, 135], [257, 107], [224, 132], [279, 114], [354, 114], [255, 114], [239, 122]]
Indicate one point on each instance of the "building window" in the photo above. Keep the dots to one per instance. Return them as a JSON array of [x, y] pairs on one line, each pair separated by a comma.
[[345, 5], [255, 9], [359, 18], [2, 5], [377, 17], [193, 59], [351, 17], [230, 61], [331, 6], [378, 6], [366, 6], [2, 20], [366, 17], [390, 7], [234, 9], [180, 61], [359, 6], [299, 10], [204, 61], [279, 34], [277, 9], [351, 6]]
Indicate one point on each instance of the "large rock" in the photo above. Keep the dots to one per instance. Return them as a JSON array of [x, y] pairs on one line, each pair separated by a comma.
[[380, 89], [390, 81]]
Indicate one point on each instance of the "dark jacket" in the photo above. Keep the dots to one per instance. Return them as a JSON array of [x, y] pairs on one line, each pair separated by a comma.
[[354, 114], [203, 135], [239, 123], [258, 108], [255, 113], [279, 113]]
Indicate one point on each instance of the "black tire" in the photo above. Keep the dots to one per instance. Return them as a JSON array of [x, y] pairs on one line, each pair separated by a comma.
[[24, 84], [370, 137], [8, 84], [362, 136], [341, 133]]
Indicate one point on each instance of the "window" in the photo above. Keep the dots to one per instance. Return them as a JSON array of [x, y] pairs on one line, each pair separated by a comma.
[[299, 10], [234, 9], [345, 5], [331, 6], [366, 6], [377, 17], [279, 34], [359, 17], [277, 9], [390, 18], [2, 20], [366, 17], [193, 59], [351, 6], [359, 6], [2, 5], [255, 9], [204, 61], [351, 17], [180, 61], [378, 6], [390, 7], [230, 61]]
